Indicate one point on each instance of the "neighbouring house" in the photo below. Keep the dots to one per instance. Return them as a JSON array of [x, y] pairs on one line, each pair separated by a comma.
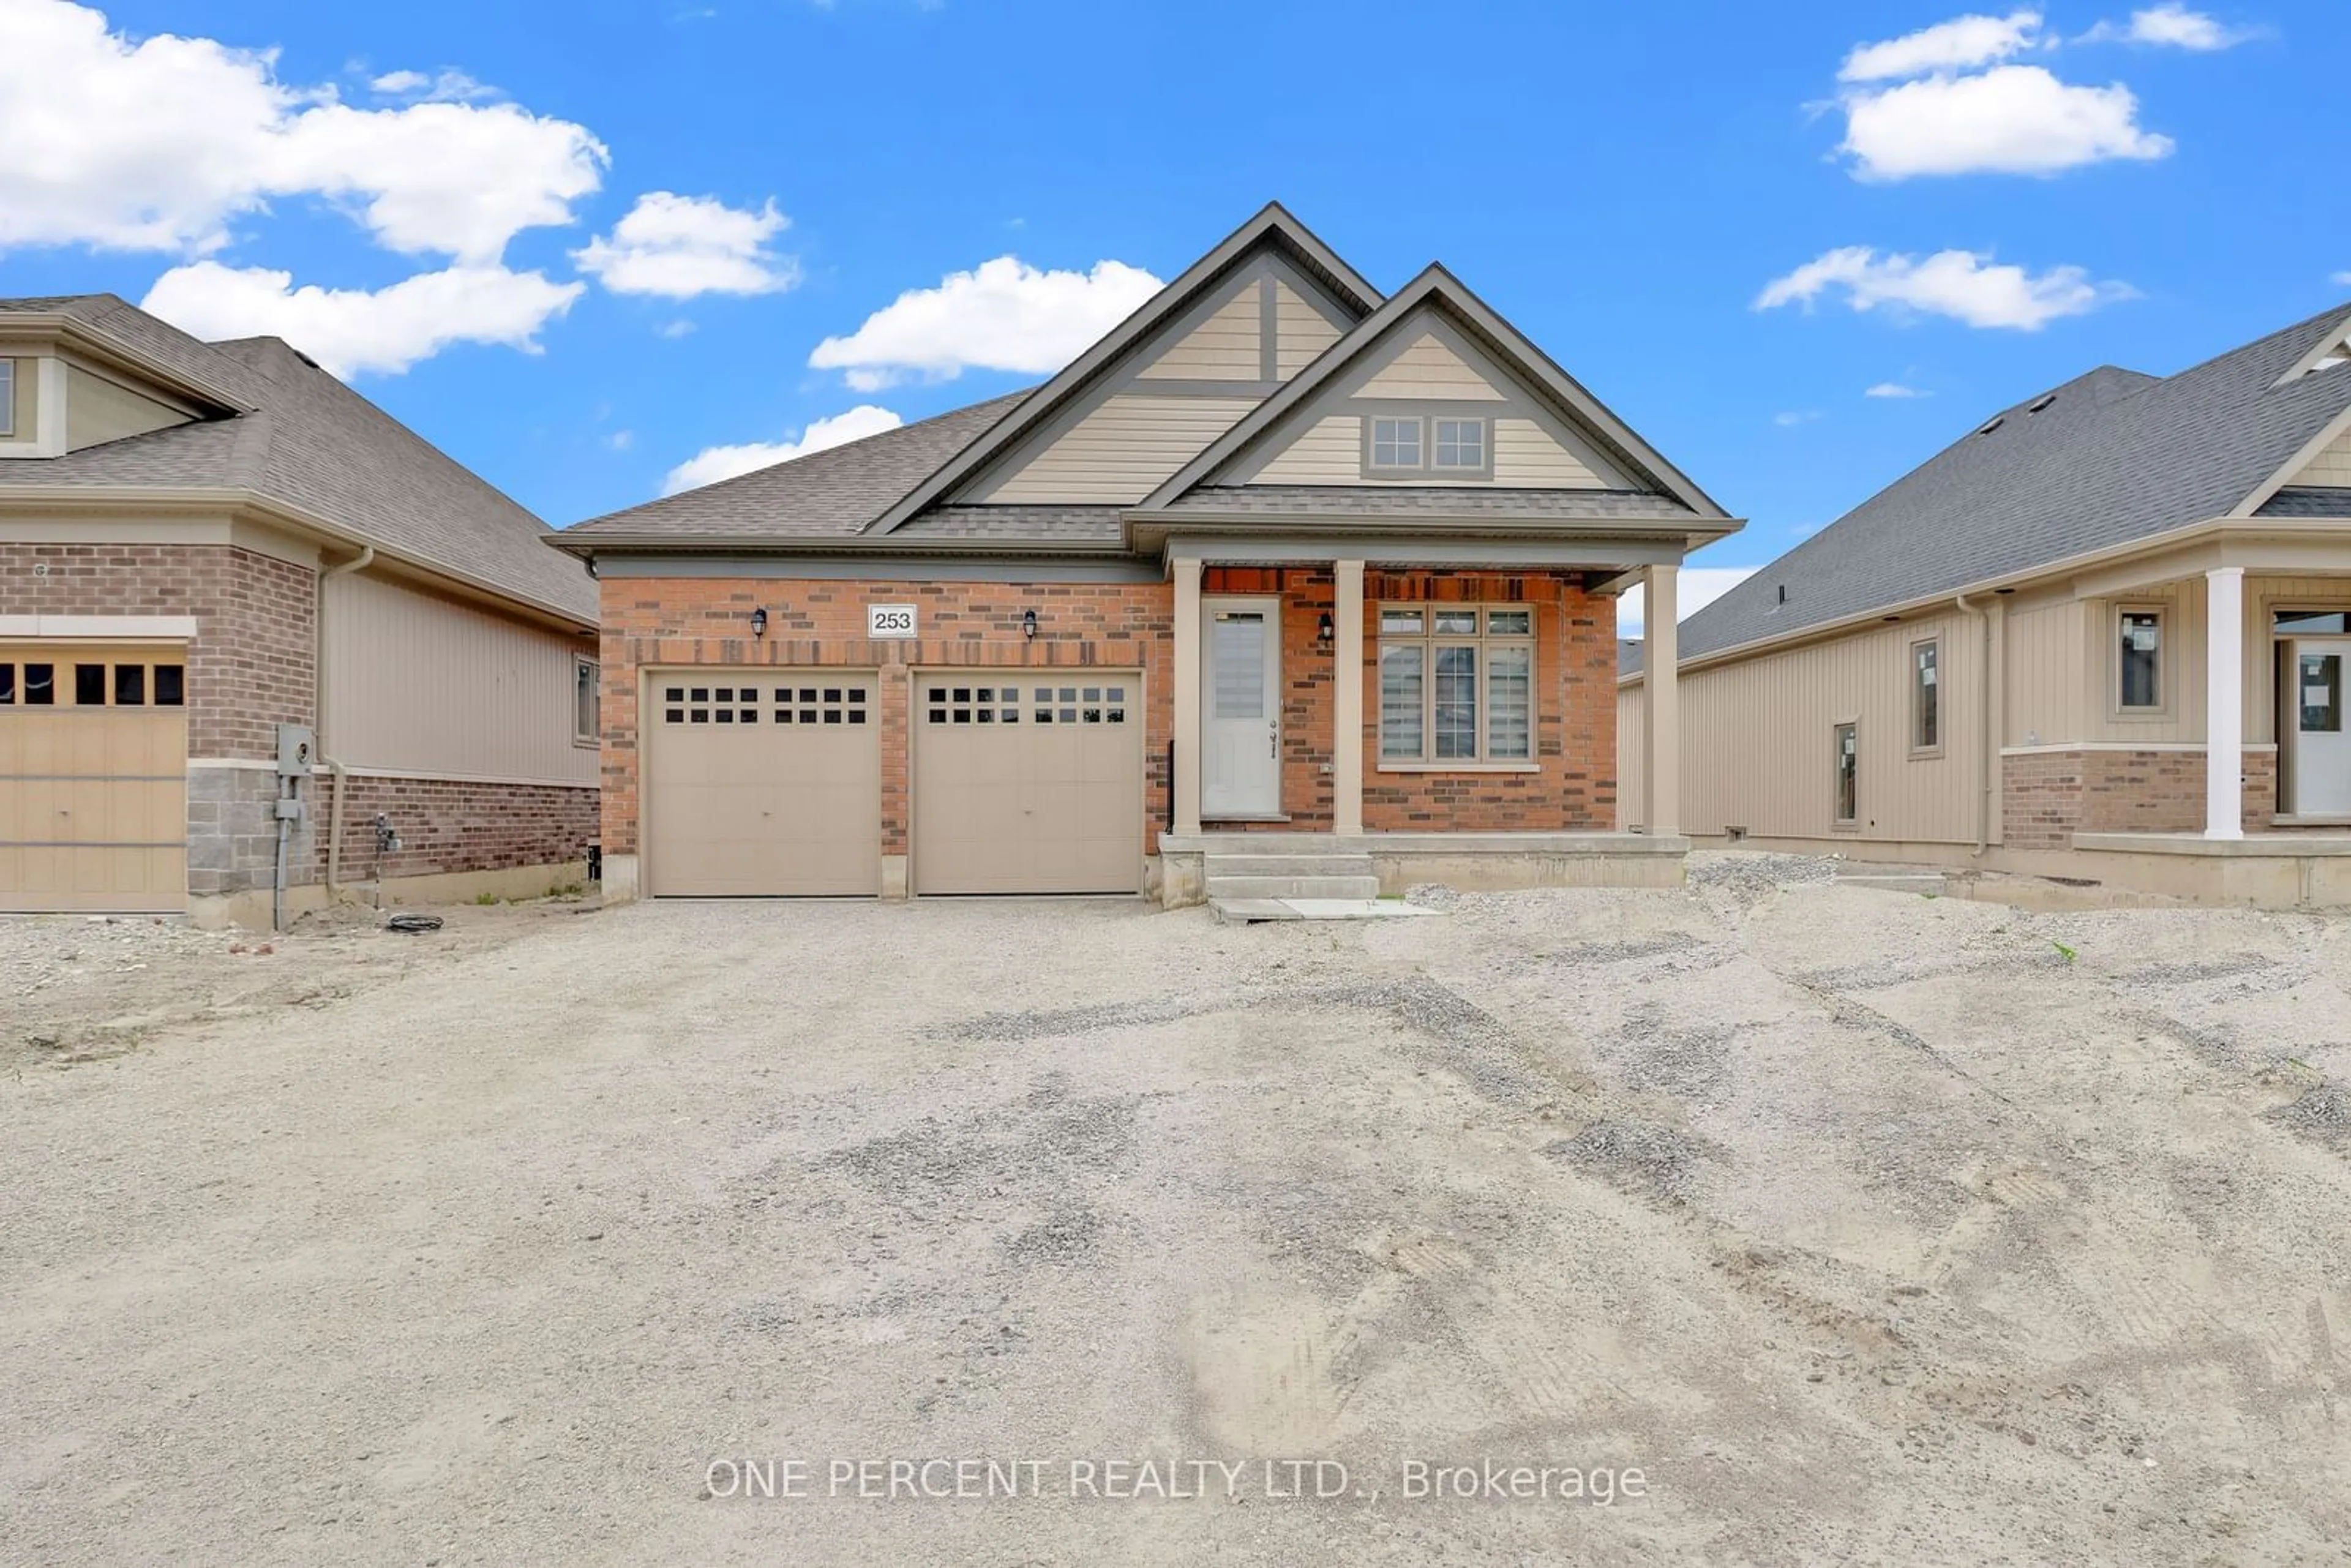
[[1284, 585], [2102, 635], [255, 635]]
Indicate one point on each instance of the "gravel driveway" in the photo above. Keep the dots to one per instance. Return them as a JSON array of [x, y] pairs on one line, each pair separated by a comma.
[[1858, 1224]]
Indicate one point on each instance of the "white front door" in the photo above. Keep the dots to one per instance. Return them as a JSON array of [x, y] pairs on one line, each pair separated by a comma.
[[2319, 747], [1240, 685]]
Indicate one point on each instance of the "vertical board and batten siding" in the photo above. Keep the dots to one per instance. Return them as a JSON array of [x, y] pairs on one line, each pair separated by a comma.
[[1756, 738], [1428, 368], [1301, 332], [2331, 465], [1632, 757], [99, 411], [424, 685], [1330, 452], [1121, 452], [2045, 699]]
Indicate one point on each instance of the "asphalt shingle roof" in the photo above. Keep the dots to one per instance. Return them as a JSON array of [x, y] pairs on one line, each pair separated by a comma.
[[1428, 501], [2111, 456], [2307, 501], [837, 491], [1090, 524], [311, 441]]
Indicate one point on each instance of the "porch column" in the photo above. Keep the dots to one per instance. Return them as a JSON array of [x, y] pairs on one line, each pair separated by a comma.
[[1186, 782], [2224, 701], [1661, 692], [1347, 697]]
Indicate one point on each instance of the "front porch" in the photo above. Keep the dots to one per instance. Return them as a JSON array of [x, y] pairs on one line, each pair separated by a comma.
[[1349, 722]]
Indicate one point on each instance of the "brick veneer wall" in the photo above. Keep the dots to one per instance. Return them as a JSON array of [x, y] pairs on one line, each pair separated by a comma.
[[2047, 797], [453, 825], [1574, 787], [250, 665], [668, 621], [650, 622]]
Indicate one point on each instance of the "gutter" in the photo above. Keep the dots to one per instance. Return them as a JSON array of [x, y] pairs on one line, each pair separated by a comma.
[[360, 562]]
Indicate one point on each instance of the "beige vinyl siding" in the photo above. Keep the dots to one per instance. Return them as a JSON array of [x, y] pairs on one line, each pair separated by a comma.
[[1224, 348], [1121, 452], [1328, 451], [99, 411], [1428, 368], [1632, 756], [1756, 738], [2330, 467], [1301, 332], [425, 684], [2045, 671], [1528, 456], [25, 401]]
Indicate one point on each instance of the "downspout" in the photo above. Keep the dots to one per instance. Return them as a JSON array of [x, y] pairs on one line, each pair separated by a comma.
[[1986, 752], [359, 562]]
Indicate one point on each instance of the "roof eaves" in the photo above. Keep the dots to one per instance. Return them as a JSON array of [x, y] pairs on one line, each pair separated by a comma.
[[1272, 220], [87, 337]]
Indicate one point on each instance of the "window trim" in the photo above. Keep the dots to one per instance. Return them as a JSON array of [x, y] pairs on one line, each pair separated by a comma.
[[7, 398], [2116, 707], [1483, 640], [1927, 751], [1836, 757], [1427, 468], [594, 735]]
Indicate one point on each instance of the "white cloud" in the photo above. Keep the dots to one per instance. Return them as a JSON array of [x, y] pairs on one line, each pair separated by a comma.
[[2012, 119], [680, 247], [1962, 42], [2343, 279], [1962, 285], [352, 331], [161, 144], [2173, 25], [1896, 390], [1004, 315], [713, 464], [620, 440], [1794, 417], [1699, 587], [444, 86], [673, 329]]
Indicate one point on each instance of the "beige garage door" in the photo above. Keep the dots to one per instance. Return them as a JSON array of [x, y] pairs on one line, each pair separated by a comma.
[[763, 782], [1029, 788], [93, 779]]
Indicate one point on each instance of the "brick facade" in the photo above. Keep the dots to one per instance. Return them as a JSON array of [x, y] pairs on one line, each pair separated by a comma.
[[251, 665], [2047, 797], [454, 824], [652, 623]]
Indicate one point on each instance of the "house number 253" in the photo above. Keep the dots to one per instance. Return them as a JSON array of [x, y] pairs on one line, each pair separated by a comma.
[[889, 620]]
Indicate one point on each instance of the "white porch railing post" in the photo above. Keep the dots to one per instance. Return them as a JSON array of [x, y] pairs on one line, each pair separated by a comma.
[[1347, 698], [2224, 701]]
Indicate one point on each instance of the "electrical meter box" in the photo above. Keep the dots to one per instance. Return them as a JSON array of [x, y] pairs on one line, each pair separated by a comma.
[[297, 747]]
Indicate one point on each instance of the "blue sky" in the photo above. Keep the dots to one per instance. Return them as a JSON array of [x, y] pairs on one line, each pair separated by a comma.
[[1624, 183]]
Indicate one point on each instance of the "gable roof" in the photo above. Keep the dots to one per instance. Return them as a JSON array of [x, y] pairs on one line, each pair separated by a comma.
[[290, 433], [1273, 225], [840, 490], [2106, 458], [1437, 289]]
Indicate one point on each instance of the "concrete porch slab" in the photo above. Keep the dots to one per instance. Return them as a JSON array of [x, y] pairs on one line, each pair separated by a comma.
[[2288, 845]]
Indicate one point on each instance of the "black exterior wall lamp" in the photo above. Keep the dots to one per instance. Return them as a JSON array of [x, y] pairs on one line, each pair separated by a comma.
[[1029, 623], [1322, 628], [760, 622]]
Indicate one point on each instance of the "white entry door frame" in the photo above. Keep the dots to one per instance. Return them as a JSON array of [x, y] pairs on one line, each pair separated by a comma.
[[2316, 754], [1240, 707]]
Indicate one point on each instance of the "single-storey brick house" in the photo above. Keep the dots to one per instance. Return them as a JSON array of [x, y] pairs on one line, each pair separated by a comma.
[[1283, 586], [260, 644], [2104, 635]]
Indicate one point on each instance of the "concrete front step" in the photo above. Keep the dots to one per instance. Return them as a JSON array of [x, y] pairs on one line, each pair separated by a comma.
[[1250, 911], [1359, 887], [1326, 863]]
